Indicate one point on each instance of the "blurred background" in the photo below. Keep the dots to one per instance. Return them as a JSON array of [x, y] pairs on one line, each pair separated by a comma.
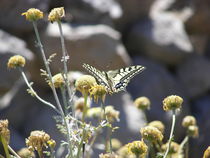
[[169, 37]]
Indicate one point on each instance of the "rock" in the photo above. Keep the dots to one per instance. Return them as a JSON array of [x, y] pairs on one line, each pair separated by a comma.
[[194, 74], [162, 36], [199, 22], [97, 45], [132, 12], [12, 10], [156, 83], [93, 11], [9, 46], [201, 110]]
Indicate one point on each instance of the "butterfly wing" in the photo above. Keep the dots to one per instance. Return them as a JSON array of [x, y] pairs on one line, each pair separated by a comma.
[[100, 76], [121, 77]]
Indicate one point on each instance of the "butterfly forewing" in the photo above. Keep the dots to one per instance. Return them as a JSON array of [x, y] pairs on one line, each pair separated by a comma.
[[99, 75], [115, 80]]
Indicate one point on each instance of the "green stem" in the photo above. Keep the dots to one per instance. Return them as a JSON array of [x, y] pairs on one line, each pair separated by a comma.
[[5, 146], [13, 152], [181, 147], [65, 58], [85, 108], [35, 94], [53, 86], [171, 133]]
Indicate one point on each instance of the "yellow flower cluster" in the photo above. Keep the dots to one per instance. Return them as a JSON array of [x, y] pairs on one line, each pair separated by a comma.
[[190, 123], [142, 103], [56, 14], [174, 147], [108, 155], [4, 131], [138, 148], [207, 153], [58, 80], [159, 125], [25, 153], [98, 92], [33, 14], [151, 133], [172, 102], [37, 140], [16, 61]]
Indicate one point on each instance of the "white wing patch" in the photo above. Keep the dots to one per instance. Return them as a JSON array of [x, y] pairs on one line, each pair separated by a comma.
[[115, 80]]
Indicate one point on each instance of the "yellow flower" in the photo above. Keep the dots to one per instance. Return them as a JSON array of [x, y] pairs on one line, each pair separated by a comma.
[[56, 14], [207, 153], [51, 143], [172, 102], [188, 121], [94, 112], [16, 61], [79, 104], [98, 92], [33, 14], [85, 83], [58, 80], [193, 131], [139, 148], [142, 103], [116, 144], [108, 155], [4, 131], [158, 124], [37, 140], [111, 114], [25, 153], [174, 148], [151, 133]]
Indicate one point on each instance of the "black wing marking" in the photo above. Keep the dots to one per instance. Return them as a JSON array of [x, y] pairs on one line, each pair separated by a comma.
[[122, 77], [99, 75]]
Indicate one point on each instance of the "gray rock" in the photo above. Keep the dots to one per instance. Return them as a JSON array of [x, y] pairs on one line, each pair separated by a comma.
[[156, 83], [194, 74], [9, 46], [10, 14], [93, 11], [162, 36], [132, 12], [98, 45]]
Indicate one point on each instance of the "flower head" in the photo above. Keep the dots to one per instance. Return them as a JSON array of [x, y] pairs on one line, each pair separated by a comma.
[[98, 92], [25, 153], [158, 124], [33, 14], [172, 102], [188, 121], [142, 103], [193, 131], [111, 113], [37, 140], [116, 144], [139, 148], [207, 153], [4, 131], [94, 112], [174, 147], [56, 14], [16, 61], [58, 80], [85, 83], [151, 133]]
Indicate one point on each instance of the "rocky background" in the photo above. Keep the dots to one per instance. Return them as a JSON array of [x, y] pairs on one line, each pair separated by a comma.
[[169, 37]]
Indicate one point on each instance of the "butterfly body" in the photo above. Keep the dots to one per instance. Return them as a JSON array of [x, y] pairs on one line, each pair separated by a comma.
[[114, 80]]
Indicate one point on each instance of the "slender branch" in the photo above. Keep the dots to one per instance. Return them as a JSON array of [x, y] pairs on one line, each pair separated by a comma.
[[181, 147], [35, 94], [13, 152], [65, 58], [53, 86], [171, 133]]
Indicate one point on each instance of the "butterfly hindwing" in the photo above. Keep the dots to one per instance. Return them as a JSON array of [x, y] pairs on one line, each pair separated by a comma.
[[115, 80], [122, 77]]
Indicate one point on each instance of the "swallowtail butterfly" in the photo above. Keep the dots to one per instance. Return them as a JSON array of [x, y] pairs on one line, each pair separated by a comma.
[[114, 80]]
